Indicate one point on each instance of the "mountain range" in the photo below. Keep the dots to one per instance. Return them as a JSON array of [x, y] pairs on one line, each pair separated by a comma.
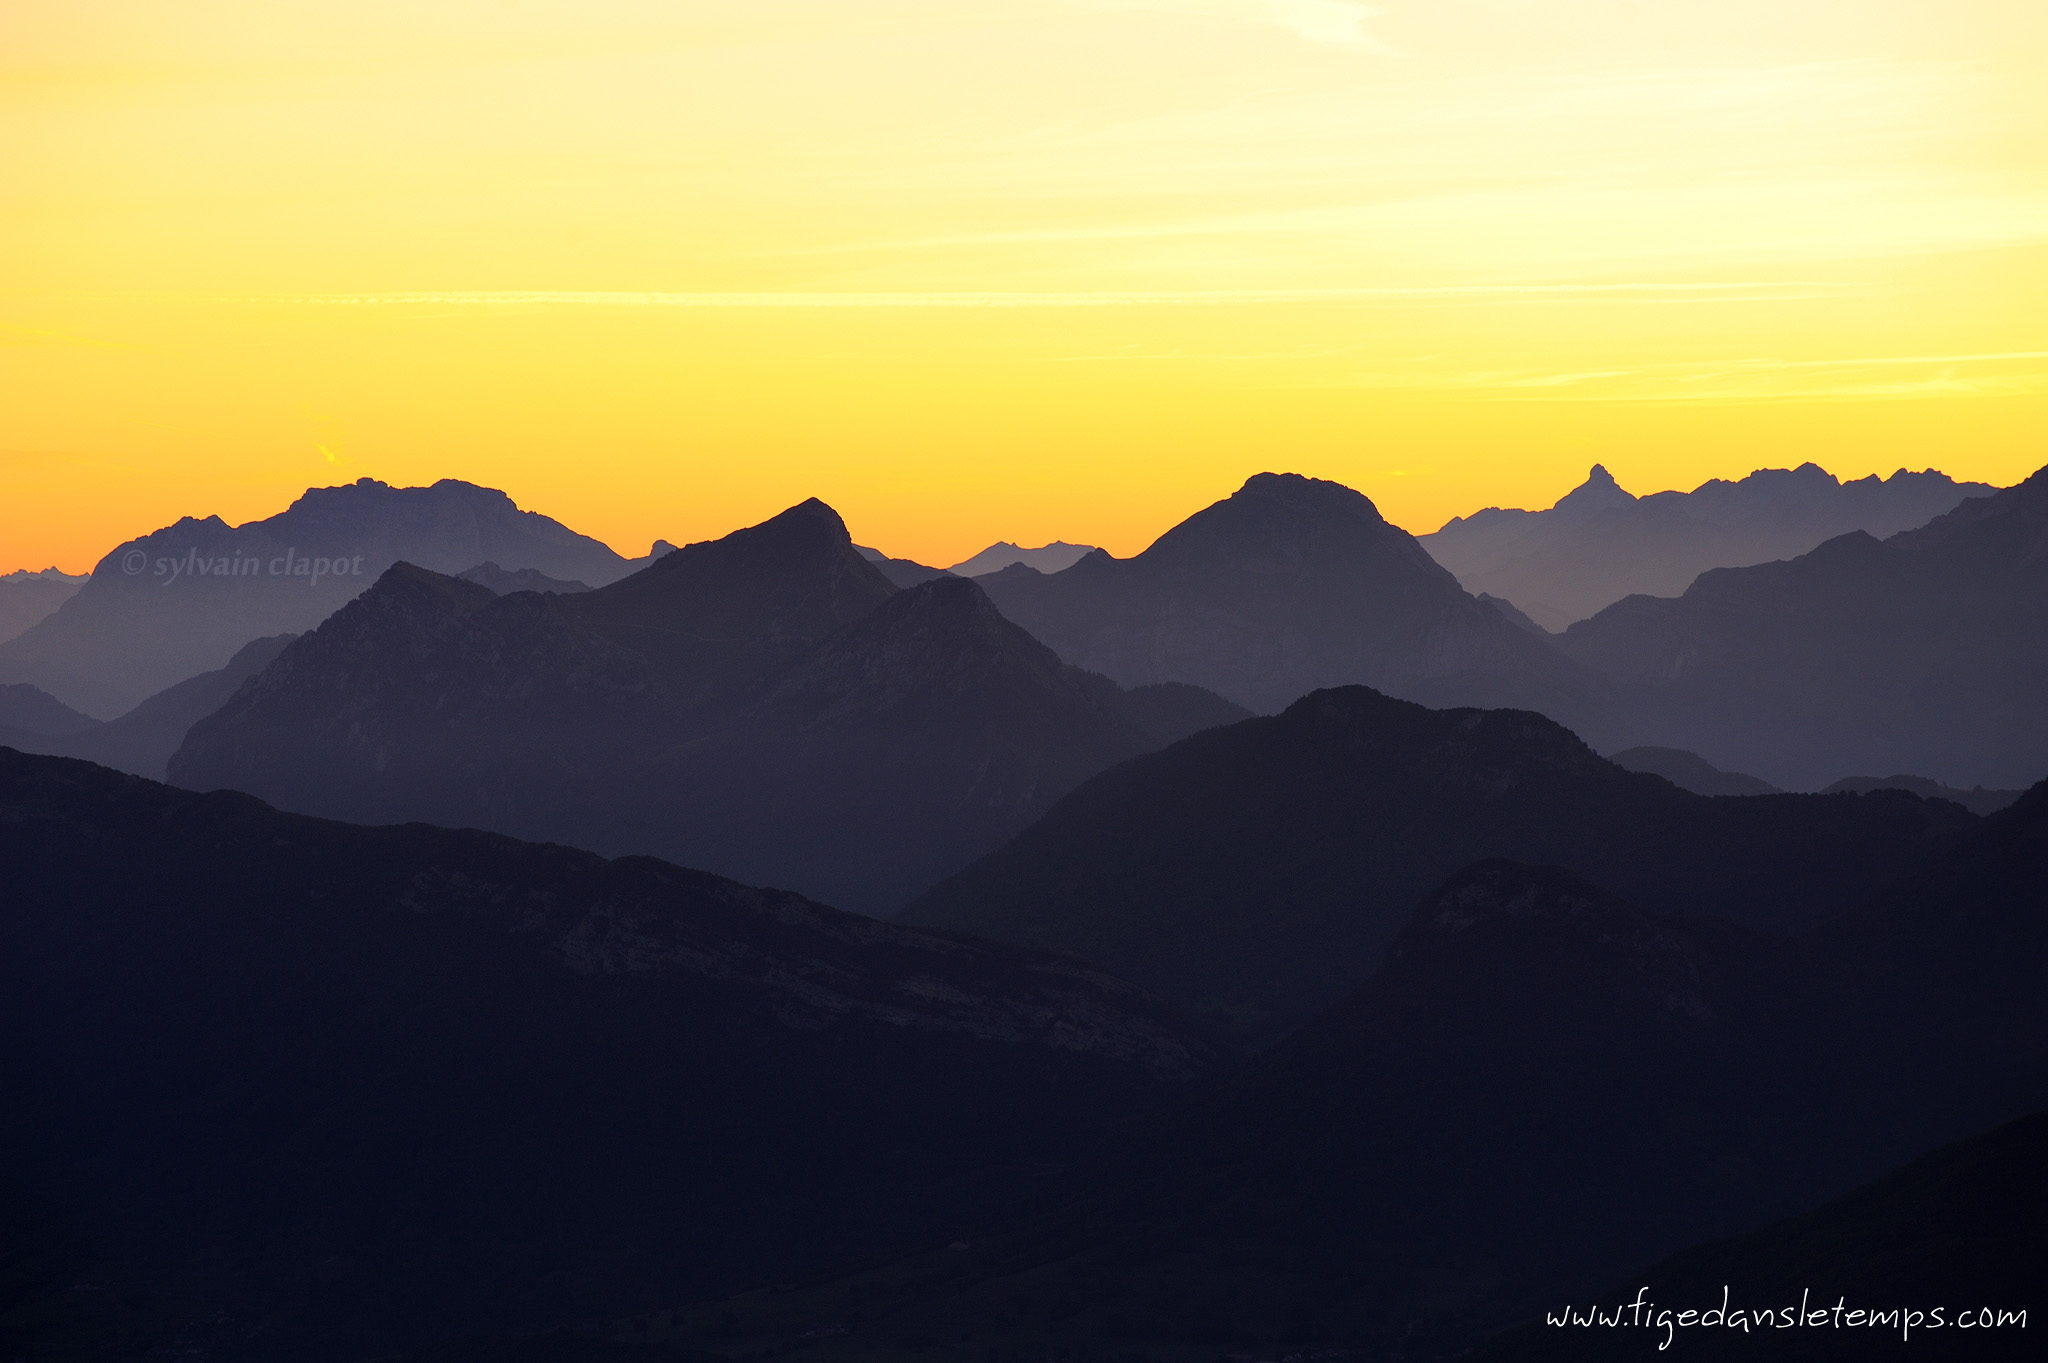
[[767, 705], [1542, 1087], [1288, 585], [1254, 874], [182, 600], [1925, 652], [296, 1089], [1599, 544], [291, 1089]]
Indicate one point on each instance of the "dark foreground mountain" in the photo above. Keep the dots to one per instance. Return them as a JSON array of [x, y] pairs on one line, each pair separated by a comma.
[[1288, 585], [1926, 652], [766, 705], [1919, 1256], [291, 1089], [142, 741], [1600, 544], [1255, 874], [1690, 771], [26, 597], [1541, 1088], [182, 600]]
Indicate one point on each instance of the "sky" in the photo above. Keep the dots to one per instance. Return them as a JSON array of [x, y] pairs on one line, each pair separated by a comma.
[[1026, 270]]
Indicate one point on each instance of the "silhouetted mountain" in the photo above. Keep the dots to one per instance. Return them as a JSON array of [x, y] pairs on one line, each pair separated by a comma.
[[765, 705], [504, 581], [1925, 652], [1600, 544], [1541, 1086], [1255, 874], [300, 1090], [180, 601], [143, 740], [1051, 558], [902, 572], [26, 597], [1977, 799], [1690, 771], [1289, 584]]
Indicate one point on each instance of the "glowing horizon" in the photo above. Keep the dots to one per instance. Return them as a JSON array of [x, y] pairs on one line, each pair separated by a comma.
[[992, 270]]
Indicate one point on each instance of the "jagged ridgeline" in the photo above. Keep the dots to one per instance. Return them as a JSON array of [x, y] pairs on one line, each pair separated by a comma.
[[767, 705], [181, 600]]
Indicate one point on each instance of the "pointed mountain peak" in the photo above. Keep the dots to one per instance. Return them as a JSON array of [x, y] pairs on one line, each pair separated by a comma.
[[813, 512], [1597, 493], [409, 581]]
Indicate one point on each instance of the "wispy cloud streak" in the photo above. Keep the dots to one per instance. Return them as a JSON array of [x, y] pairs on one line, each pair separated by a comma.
[[1715, 290]]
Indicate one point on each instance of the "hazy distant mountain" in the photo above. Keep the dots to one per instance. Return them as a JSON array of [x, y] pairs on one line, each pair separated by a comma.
[[902, 572], [1599, 543], [1542, 1086], [1977, 799], [180, 601], [1926, 652], [1690, 771], [1051, 558], [766, 705], [1254, 874], [143, 740], [295, 1089], [26, 597], [1288, 585], [31, 710], [504, 581]]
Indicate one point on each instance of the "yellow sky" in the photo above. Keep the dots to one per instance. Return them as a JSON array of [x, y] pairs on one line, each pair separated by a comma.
[[1016, 269]]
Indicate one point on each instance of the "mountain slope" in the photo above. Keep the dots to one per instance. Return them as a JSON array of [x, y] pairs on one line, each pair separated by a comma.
[[1955, 1228], [311, 1091], [26, 709], [1926, 652], [765, 705], [1600, 544], [181, 600], [1255, 874], [1288, 585], [901, 572], [1540, 1086], [1690, 771]]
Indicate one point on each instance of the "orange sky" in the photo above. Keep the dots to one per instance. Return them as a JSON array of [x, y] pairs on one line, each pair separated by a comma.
[[981, 270]]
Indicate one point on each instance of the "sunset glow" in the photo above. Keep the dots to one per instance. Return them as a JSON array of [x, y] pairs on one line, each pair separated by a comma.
[[1004, 269]]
